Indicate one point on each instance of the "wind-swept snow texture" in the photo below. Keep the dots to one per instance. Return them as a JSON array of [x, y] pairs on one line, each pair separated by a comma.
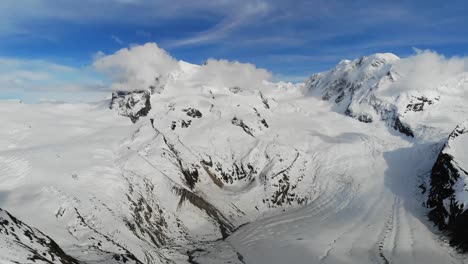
[[217, 168]]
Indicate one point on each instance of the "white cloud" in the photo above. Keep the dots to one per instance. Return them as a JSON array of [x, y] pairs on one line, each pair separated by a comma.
[[134, 68], [98, 55], [18, 16], [137, 67], [427, 70], [235, 19], [223, 73], [290, 78]]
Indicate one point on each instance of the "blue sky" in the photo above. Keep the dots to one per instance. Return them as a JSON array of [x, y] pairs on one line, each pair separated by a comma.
[[47, 46]]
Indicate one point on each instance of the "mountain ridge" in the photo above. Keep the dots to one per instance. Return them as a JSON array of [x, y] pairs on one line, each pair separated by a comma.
[[203, 156]]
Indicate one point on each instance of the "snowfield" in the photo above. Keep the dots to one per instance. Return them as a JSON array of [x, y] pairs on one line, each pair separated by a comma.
[[197, 166]]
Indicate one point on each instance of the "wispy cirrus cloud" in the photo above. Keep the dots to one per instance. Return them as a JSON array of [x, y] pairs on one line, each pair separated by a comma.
[[242, 16]]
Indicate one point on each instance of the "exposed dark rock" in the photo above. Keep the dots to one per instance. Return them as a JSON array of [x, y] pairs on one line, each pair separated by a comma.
[[446, 212], [185, 124], [285, 189], [397, 125], [238, 172], [263, 121], [134, 104], [417, 104], [365, 118], [238, 122], [338, 87], [190, 174], [362, 118], [340, 97], [235, 89], [265, 101], [192, 112], [147, 220], [453, 219], [240, 257], [226, 228]]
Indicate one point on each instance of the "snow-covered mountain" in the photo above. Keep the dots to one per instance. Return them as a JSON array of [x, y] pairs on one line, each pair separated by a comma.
[[218, 168], [379, 88], [21, 243], [448, 195]]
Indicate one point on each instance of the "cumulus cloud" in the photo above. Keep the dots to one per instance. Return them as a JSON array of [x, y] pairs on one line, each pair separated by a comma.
[[137, 67], [428, 70], [223, 73]]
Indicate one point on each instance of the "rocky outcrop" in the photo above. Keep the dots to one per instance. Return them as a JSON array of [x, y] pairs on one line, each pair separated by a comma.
[[131, 104], [448, 197]]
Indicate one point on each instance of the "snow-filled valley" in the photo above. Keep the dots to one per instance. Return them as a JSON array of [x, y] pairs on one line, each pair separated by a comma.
[[191, 166]]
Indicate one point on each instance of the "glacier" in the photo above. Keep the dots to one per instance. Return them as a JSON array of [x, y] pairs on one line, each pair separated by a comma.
[[214, 163]]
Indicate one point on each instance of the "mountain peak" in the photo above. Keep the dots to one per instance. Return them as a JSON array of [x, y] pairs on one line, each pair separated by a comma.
[[389, 57]]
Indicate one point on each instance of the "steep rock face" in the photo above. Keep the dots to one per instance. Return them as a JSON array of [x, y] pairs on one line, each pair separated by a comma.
[[448, 197], [20, 243], [131, 104], [360, 89]]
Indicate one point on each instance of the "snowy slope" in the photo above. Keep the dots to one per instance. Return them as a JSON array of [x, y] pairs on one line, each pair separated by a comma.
[[20, 243], [59, 164], [215, 168], [448, 197]]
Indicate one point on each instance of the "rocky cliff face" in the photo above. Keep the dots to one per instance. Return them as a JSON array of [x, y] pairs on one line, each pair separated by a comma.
[[448, 196]]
